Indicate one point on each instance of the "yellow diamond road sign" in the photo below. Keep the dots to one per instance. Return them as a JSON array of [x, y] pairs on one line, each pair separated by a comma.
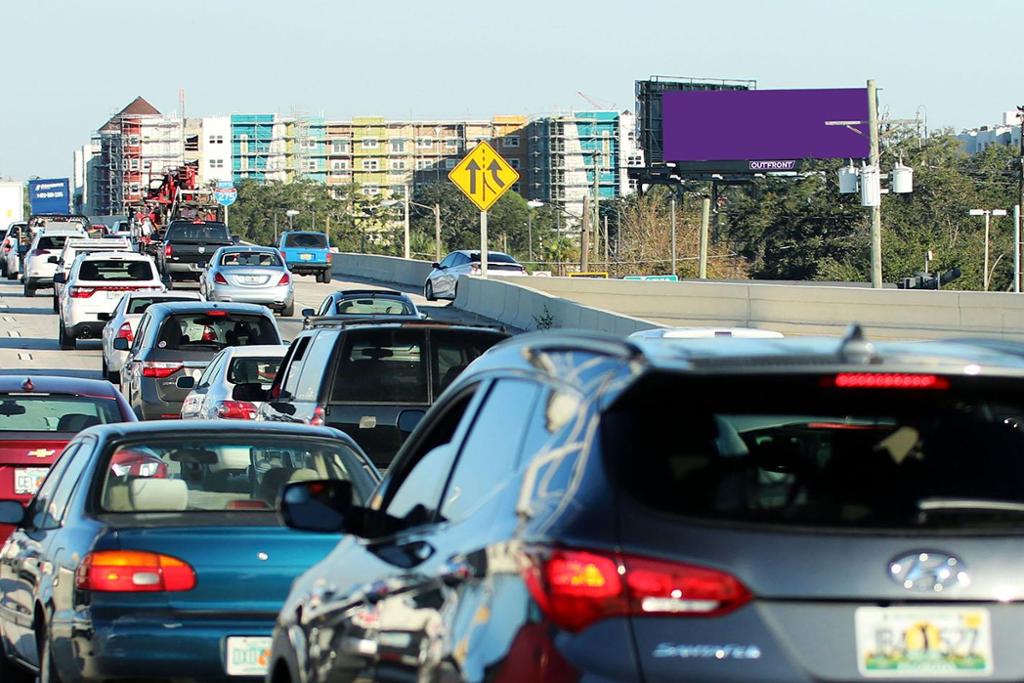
[[483, 175]]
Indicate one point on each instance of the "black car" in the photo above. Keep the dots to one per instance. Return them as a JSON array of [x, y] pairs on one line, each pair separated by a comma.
[[153, 551], [362, 376], [585, 508], [188, 246], [179, 339], [363, 303]]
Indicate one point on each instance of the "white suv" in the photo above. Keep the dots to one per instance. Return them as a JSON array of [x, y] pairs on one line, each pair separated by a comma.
[[37, 271], [83, 245], [92, 289]]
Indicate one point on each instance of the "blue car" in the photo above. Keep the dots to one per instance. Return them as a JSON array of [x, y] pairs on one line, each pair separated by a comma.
[[153, 551], [307, 253]]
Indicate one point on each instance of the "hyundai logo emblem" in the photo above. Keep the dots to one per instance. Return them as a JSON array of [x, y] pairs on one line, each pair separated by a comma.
[[929, 572]]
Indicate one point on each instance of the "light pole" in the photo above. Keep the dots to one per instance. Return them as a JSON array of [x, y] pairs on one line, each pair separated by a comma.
[[291, 213], [987, 213], [436, 210], [532, 204]]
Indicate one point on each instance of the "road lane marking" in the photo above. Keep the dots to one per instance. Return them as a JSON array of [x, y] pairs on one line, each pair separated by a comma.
[[24, 356], [13, 333]]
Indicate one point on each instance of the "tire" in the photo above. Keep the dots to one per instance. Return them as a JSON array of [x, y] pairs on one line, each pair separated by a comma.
[[112, 377], [12, 673], [28, 291], [324, 277], [56, 308], [66, 343], [9, 275], [428, 291], [3, 270], [288, 311]]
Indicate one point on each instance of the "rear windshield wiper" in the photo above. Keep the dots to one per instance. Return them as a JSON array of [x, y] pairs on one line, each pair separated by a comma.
[[953, 505]]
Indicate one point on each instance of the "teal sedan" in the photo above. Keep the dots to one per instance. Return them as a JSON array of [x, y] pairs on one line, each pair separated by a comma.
[[154, 550]]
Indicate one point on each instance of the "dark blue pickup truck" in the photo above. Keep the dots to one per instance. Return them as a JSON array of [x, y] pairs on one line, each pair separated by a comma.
[[307, 253]]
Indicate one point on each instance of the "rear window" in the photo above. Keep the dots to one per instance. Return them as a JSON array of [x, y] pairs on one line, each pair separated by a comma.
[[252, 370], [492, 257], [250, 258], [203, 332], [454, 350], [116, 271], [55, 413], [373, 306], [200, 232], [382, 366], [139, 304], [222, 473], [306, 241], [801, 452], [52, 242]]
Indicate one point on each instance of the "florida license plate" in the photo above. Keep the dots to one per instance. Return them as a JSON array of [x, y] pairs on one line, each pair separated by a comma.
[[247, 656], [923, 642], [306, 257], [28, 479]]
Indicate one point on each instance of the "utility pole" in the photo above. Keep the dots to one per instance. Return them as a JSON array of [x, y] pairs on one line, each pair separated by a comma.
[[606, 241], [529, 232], [1020, 202], [673, 216], [596, 222], [585, 236], [876, 211], [705, 218], [405, 248]]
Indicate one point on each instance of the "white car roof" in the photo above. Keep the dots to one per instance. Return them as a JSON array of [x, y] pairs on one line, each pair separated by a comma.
[[705, 332], [59, 229], [109, 244], [115, 255]]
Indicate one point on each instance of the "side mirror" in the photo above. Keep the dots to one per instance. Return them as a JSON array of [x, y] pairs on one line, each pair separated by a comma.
[[102, 317], [120, 344], [59, 278], [408, 419], [12, 513], [308, 312], [185, 382], [320, 505], [251, 391], [235, 239], [435, 265], [53, 259], [423, 316]]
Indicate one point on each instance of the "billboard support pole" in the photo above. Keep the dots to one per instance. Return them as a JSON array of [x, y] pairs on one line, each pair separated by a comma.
[[705, 218], [674, 231], [876, 211]]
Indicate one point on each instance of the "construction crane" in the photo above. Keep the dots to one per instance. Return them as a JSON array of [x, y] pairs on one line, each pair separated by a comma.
[[595, 103]]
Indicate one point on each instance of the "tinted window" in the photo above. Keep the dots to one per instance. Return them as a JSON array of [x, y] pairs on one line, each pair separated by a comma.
[[305, 240], [55, 413], [798, 451], [454, 350], [68, 482], [41, 501], [373, 306], [314, 369], [52, 242], [253, 369], [201, 232], [493, 257], [490, 451], [291, 380], [116, 271], [381, 366], [202, 331], [139, 304], [209, 473], [250, 258]]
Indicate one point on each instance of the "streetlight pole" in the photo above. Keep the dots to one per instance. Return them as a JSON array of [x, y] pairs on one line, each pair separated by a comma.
[[987, 213], [876, 211], [406, 236], [291, 213]]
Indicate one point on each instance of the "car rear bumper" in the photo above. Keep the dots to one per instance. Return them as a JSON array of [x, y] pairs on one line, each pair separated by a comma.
[[153, 406], [307, 267], [39, 280], [269, 296], [88, 329]]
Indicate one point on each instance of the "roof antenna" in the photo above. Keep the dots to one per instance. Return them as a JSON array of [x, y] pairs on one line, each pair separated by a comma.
[[854, 347]]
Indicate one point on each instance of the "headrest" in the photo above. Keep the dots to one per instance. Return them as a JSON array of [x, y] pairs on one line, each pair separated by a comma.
[[158, 495], [76, 422], [304, 474]]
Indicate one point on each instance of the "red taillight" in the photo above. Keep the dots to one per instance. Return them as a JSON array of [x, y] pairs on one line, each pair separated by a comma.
[[285, 279], [284, 256], [236, 410], [81, 292], [319, 417], [159, 370], [168, 251], [219, 279], [887, 380], [133, 571], [328, 257], [575, 588], [125, 332]]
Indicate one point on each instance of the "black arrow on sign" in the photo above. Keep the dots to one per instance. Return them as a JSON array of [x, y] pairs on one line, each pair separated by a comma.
[[495, 168], [473, 168]]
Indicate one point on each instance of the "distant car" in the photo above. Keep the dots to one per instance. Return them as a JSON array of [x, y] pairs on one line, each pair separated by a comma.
[[57, 221], [94, 286], [15, 246], [252, 275], [152, 552], [39, 414], [181, 338], [307, 253], [211, 396], [364, 376], [443, 280], [38, 269], [75, 246], [705, 332], [9, 244], [124, 322], [364, 303]]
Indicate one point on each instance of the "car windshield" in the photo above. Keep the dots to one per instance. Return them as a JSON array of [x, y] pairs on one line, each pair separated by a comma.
[[222, 472], [139, 304], [55, 413], [306, 241], [250, 258], [51, 242], [253, 369], [215, 330], [802, 452], [382, 366], [116, 271], [199, 232], [373, 306]]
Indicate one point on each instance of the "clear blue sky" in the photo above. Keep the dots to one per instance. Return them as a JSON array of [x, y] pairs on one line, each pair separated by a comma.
[[69, 64]]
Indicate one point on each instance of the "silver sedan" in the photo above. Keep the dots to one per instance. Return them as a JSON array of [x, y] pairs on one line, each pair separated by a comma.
[[252, 275]]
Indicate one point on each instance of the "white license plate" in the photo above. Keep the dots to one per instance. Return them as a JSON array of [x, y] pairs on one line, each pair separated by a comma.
[[253, 279], [923, 642], [247, 656], [28, 479], [306, 257]]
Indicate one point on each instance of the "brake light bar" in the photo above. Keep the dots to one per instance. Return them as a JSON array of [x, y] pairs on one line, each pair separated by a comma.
[[217, 313], [576, 588], [160, 370], [133, 571], [887, 380]]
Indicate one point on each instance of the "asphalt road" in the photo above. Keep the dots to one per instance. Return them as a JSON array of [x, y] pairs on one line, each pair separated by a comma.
[[28, 327]]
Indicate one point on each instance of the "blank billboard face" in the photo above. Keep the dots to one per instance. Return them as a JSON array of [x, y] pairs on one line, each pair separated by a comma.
[[740, 125]]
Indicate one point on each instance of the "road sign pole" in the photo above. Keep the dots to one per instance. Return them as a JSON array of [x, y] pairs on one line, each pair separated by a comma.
[[876, 211], [226, 224], [483, 244]]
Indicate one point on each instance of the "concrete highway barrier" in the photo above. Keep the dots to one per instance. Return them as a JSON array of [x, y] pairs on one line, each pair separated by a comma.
[[408, 272]]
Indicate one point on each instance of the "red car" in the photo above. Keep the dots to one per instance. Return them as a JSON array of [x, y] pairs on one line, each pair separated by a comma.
[[38, 416]]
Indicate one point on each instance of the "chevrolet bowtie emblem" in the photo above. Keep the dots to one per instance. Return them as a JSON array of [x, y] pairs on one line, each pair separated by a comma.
[[40, 453]]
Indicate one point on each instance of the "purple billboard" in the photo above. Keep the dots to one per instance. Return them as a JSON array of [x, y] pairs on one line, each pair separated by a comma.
[[768, 128]]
